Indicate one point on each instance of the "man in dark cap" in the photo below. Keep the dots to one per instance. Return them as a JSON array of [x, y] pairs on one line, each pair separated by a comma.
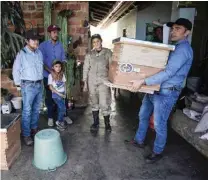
[[28, 73], [171, 81], [52, 50]]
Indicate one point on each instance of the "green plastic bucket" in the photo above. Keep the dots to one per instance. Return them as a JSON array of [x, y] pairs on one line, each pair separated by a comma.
[[48, 150]]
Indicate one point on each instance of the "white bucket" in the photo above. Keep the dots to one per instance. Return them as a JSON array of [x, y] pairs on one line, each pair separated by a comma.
[[17, 102]]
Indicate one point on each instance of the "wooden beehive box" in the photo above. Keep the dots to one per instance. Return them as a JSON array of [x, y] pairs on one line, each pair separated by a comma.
[[134, 59], [10, 139]]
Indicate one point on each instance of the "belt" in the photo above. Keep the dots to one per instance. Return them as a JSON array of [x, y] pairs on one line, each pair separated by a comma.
[[28, 81], [172, 88]]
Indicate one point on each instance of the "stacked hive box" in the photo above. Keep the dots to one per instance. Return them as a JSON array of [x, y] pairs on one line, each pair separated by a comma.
[[10, 140], [134, 59]]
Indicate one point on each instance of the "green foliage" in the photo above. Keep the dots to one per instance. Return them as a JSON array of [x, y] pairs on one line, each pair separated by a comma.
[[47, 17], [11, 42], [62, 23]]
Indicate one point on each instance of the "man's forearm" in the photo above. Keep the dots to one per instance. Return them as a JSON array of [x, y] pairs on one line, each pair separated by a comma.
[[47, 69]]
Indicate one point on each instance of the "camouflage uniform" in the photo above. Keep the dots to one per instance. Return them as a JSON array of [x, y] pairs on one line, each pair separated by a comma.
[[96, 66]]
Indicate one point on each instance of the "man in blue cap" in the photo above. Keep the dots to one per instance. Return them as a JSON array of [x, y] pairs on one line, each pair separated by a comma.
[[171, 80], [52, 50]]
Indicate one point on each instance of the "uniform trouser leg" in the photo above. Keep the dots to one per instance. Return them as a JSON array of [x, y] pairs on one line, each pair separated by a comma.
[[94, 102], [104, 99]]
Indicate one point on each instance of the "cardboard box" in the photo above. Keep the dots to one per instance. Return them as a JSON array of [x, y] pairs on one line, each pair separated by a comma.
[[135, 59], [118, 73], [10, 139], [143, 53], [10, 134], [9, 156]]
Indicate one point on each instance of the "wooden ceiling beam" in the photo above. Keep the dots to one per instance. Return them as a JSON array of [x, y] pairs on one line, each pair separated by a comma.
[[101, 7], [106, 3], [98, 10], [99, 14], [118, 13]]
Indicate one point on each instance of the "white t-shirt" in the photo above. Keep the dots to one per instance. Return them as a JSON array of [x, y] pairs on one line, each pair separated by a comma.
[[57, 85]]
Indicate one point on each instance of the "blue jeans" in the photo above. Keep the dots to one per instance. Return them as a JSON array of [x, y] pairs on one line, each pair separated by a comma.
[[32, 97], [60, 102], [161, 105], [48, 99]]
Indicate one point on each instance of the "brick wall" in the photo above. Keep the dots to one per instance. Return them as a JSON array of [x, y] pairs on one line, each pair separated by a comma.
[[33, 15]]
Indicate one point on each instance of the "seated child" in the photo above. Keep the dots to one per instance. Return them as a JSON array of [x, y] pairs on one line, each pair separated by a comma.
[[56, 82]]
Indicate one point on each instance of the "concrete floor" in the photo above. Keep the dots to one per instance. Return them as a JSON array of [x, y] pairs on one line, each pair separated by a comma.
[[106, 157]]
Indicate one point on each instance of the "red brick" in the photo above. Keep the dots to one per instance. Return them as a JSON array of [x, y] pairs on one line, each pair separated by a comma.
[[81, 14], [74, 21], [40, 7], [39, 2], [83, 49], [41, 30], [81, 58], [85, 7], [81, 30], [60, 6], [31, 7], [27, 15], [29, 22], [37, 15], [72, 30], [40, 22], [74, 6]]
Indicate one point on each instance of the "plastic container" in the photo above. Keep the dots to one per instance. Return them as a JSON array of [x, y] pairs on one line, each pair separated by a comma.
[[48, 150], [17, 102]]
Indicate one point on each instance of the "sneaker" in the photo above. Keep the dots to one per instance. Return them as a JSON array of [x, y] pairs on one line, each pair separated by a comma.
[[61, 125], [94, 127], [134, 143], [152, 158], [50, 122], [68, 120], [28, 141]]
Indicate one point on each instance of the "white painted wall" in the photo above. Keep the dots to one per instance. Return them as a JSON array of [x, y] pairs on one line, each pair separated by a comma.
[[128, 22], [159, 11]]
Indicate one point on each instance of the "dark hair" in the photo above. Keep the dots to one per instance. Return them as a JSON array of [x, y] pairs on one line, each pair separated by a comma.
[[57, 62], [156, 28], [96, 36], [59, 76]]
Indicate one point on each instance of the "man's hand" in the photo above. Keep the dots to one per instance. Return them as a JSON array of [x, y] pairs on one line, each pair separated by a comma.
[[136, 85]]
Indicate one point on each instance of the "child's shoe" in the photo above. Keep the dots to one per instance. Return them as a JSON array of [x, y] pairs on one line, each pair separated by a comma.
[[61, 125]]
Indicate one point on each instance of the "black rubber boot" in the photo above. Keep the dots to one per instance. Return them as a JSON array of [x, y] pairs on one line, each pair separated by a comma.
[[107, 123], [95, 125]]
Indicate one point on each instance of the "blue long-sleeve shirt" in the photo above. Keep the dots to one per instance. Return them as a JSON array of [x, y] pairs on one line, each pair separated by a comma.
[[50, 53], [177, 68], [28, 65]]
